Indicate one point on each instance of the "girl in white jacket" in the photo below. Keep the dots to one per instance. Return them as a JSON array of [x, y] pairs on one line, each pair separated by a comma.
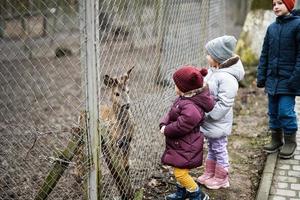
[[225, 71]]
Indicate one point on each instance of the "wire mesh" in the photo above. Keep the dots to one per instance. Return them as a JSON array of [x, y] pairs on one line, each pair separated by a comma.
[[140, 44], [155, 37], [41, 95]]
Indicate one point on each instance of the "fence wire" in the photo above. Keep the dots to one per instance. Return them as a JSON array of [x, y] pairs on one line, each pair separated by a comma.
[[43, 89]]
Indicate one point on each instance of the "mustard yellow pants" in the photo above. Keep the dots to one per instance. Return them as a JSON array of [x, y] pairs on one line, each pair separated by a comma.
[[184, 179]]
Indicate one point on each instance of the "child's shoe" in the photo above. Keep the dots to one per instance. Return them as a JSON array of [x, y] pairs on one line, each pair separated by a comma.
[[209, 172], [289, 147], [220, 180], [197, 195], [276, 141], [180, 194]]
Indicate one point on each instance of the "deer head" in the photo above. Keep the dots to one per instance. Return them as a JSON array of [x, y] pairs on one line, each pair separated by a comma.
[[119, 95]]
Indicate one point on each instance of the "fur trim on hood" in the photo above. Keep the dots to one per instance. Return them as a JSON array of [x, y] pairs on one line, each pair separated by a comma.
[[231, 61]]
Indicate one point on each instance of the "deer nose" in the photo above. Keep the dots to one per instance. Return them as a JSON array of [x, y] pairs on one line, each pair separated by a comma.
[[126, 106]]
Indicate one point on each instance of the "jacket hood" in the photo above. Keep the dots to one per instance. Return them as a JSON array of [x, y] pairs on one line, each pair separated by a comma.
[[234, 67], [203, 99]]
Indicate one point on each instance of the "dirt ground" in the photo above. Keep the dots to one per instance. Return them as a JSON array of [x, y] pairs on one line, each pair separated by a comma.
[[21, 177], [246, 156]]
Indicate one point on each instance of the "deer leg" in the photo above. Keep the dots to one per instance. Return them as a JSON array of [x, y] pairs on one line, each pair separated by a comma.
[[118, 169], [124, 143]]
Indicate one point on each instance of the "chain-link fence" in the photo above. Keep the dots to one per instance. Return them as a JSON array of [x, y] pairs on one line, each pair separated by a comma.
[[60, 56]]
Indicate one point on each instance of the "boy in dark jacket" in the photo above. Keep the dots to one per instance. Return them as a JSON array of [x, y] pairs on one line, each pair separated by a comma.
[[184, 141], [279, 73]]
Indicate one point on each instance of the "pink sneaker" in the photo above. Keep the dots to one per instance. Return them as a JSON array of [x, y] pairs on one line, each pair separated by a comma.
[[220, 180], [209, 171]]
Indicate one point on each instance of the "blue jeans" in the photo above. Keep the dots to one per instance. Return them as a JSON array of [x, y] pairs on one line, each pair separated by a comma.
[[282, 113]]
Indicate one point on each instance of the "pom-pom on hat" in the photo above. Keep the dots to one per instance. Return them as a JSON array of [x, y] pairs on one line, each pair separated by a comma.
[[289, 4], [189, 78], [221, 48]]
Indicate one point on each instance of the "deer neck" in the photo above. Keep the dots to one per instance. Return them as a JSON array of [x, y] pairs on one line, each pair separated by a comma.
[[121, 115]]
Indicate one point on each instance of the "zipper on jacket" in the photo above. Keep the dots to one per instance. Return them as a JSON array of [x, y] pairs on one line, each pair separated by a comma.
[[279, 46], [278, 56]]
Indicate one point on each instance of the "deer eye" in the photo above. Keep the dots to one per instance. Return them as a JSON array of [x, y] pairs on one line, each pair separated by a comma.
[[117, 94]]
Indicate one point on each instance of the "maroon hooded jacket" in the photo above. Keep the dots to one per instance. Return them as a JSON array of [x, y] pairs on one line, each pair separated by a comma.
[[184, 141]]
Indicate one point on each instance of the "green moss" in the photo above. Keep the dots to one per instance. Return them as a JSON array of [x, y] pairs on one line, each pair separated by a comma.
[[245, 52], [248, 57], [259, 4]]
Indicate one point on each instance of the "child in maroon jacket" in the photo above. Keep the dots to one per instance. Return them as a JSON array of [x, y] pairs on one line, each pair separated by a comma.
[[184, 141]]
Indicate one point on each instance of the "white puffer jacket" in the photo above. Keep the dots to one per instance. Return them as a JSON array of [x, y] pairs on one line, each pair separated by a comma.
[[223, 85]]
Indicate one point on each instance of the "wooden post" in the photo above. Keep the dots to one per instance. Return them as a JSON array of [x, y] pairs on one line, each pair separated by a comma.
[[44, 12], [204, 20], [89, 23], [2, 20], [161, 27], [60, 164]]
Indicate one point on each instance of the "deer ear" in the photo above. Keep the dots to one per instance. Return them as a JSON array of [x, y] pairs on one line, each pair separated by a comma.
[[129, 71], [125, 76], [108, 81]]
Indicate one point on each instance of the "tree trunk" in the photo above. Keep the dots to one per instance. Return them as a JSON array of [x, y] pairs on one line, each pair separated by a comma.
[[259, 4]]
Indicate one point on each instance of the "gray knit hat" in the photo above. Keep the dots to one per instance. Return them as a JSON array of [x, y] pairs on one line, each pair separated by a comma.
[[221, 48]]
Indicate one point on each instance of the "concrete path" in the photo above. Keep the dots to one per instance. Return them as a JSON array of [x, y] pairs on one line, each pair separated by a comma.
[[281, 178]]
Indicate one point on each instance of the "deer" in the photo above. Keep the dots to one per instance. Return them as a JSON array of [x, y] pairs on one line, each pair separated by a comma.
[[118, 116], [116, 139], [115, 142]]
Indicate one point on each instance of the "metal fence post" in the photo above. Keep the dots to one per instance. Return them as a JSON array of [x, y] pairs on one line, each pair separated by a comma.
[[160, 20], [90, 38]]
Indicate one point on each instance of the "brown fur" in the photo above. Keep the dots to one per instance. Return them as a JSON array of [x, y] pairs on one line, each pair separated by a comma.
[[231, 61], [118, 118]]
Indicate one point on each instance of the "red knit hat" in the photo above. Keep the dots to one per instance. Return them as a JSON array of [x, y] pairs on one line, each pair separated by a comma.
[[289, 4], [188, 78]]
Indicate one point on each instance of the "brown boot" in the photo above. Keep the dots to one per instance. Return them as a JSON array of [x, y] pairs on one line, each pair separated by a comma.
[[276, 141], [289, 146]]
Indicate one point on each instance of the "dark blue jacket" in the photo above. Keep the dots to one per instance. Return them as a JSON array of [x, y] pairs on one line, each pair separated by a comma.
[[279, 65]]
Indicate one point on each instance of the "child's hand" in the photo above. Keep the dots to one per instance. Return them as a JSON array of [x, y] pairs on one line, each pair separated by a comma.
[[162, 130], [260, 84]]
